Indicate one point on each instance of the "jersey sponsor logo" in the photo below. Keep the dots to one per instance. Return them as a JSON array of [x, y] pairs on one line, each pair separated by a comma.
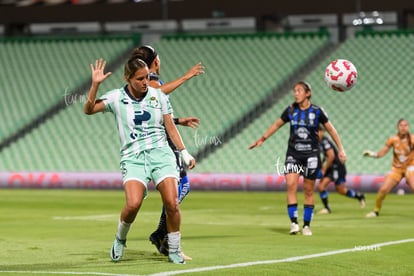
[[302, 133], [144, 134], [303, 147], [141, 116], [303, 122]]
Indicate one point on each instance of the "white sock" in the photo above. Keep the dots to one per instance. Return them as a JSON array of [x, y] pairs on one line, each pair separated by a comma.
[[174, 239], [123, 229]]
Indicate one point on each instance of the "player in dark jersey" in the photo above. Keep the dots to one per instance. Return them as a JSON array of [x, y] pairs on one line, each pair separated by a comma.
[[302, 156], [151, 57], [333, 170]]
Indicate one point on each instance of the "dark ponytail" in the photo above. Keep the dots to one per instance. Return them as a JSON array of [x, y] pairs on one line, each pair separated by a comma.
[[146, 53]]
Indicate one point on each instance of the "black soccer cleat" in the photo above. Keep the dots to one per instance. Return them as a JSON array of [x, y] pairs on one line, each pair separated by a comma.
[[156, 240]]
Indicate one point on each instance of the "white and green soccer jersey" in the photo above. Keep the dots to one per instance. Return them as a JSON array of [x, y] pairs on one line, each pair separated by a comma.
[[140, 123]]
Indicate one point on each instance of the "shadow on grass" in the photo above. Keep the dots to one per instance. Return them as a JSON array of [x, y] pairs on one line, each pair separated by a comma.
[[280, 230], [91, 260]]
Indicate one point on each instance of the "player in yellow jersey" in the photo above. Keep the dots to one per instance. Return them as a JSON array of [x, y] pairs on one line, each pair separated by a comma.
[[402, 164]]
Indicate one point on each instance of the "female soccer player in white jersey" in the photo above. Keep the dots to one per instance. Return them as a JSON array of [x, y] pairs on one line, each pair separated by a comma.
[[151, 57], [302, 156], [143, 116]]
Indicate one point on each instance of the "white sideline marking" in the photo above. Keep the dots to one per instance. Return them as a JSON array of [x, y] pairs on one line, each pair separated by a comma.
[[291, 259], [210, 268]]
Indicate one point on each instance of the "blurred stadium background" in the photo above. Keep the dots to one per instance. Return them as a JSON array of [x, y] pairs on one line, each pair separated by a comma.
[[253, 54]]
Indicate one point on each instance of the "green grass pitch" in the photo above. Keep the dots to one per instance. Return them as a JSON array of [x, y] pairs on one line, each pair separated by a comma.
[[70, 232]]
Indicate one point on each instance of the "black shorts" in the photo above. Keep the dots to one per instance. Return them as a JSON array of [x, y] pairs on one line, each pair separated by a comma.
[[306, 165], [337, 173]]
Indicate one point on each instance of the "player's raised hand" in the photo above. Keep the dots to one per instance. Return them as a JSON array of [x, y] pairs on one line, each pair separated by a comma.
[[97, 70], [195, 70], [192, 122]]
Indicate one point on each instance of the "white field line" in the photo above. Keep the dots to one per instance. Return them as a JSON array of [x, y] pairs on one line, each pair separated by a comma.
[[373, 247], [290, 259]]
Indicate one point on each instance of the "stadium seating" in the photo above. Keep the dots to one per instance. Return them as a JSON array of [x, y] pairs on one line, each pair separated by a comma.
[[240, 71], [367, 115], [42, 72], [364, 117]]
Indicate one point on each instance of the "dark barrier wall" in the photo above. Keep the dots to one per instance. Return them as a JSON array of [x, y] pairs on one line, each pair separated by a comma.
[[185, 9]]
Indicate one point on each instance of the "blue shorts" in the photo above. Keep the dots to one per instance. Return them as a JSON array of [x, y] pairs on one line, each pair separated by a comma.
[[154, 165]]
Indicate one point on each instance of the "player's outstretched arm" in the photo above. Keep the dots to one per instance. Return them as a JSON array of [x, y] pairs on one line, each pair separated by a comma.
[[269, 132], [378, 154], [368, 153], [192, 122], [169, 87]]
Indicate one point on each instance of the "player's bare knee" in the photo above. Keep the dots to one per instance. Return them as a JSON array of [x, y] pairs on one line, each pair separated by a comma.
[[133, 205], [172, 208]]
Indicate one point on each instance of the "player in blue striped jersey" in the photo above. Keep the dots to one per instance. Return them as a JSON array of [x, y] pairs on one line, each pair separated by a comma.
[[302, 155], [142, 116]]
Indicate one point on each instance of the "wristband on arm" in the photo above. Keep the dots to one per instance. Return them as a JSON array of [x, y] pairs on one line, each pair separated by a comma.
[[186, 157]]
